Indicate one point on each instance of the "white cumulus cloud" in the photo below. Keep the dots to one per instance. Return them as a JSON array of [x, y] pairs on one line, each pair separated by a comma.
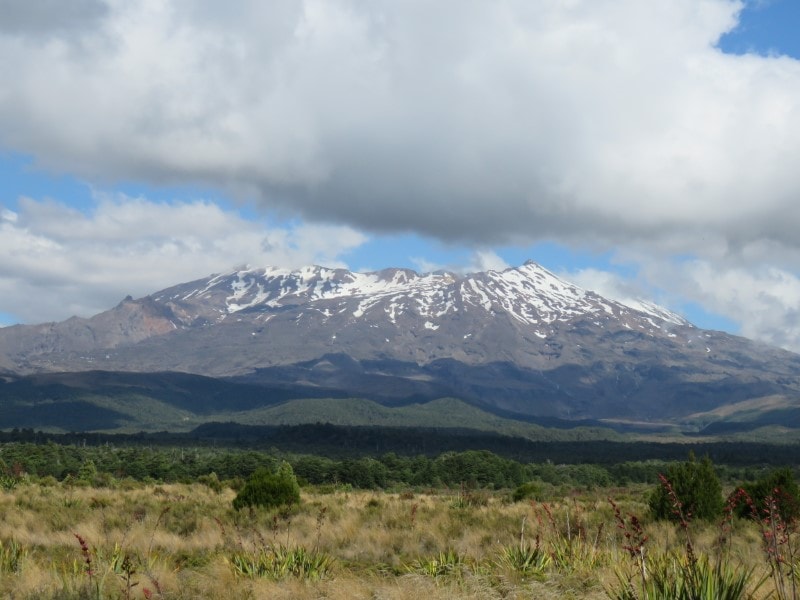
[[481, 122], [58, 262]]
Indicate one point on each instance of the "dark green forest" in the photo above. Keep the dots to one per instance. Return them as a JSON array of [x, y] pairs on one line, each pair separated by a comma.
[[367, 458]]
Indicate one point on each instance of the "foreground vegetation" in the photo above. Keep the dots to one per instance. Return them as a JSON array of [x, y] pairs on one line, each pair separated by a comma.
[[62, 540], [80, 521]]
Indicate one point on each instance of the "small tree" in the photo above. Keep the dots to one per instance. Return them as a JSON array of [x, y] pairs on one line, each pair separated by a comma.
[[87, 472], [696, 486], [264, 488], [778, 486], [528, 490]]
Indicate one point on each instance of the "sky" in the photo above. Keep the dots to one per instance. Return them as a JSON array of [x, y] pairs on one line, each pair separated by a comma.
[[639, 148]]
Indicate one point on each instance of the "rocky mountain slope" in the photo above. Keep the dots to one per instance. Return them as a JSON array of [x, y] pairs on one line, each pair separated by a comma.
[[520, 342]]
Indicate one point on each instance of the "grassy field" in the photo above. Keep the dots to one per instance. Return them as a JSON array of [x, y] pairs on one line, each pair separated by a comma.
[[185, 541]]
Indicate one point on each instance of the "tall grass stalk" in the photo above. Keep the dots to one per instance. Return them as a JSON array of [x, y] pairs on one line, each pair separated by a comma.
[[779, 539], [12, 553]]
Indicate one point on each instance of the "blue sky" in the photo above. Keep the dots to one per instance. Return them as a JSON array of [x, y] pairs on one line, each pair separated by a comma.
[[203, 143]]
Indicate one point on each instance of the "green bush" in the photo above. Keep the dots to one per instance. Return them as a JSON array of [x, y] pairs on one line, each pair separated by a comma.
[[531, 490], [211, 481], [270, 490], [87, 472], [690, 489], [779, 486], [7, 482]]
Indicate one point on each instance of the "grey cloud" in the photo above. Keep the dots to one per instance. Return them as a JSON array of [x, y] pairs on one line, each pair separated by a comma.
[[37, 17], [484, 122]]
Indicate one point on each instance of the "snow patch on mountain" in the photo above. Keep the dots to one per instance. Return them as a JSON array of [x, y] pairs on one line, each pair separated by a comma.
[[654, 310], [530, 295]]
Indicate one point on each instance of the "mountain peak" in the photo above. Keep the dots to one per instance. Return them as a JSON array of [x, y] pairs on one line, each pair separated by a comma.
[[529, 294]]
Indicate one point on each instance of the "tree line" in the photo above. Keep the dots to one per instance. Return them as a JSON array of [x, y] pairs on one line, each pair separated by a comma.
[[342, 442], [107, 463]]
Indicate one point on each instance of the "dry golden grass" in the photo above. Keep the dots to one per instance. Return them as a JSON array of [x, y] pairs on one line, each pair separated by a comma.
[[180, 540]]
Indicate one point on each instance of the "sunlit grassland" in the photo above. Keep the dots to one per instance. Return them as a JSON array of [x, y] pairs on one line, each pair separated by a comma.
[[185, 541]]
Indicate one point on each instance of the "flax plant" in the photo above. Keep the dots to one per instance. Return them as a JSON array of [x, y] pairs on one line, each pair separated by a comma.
[[679, 576]]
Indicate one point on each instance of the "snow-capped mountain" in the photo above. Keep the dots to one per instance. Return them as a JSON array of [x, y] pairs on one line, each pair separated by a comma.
[[521, 340], [529, 294]]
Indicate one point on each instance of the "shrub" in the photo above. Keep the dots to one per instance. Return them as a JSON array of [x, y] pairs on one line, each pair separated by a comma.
[[696, 486], [778, 486], [530, 490], [87, 472], [269, 489], [211, 481], [7, 482]]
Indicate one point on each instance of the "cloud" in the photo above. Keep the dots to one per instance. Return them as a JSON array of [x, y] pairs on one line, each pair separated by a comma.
[[763, 298], [486, 260], [488, 122], [750, 288], [610, 285], [476, 261], [60, 262], [42, 17]]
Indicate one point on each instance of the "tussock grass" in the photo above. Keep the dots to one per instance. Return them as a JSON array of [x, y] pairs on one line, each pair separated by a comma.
[[186, 541]]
